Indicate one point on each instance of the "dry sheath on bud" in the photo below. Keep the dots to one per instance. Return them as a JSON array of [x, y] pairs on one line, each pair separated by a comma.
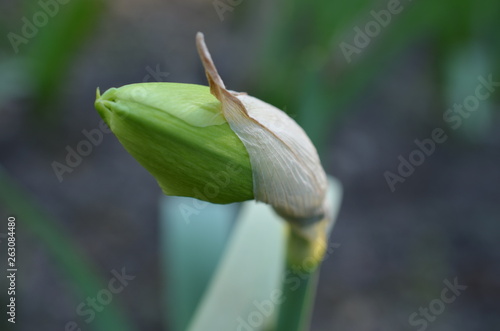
[[287, 172]]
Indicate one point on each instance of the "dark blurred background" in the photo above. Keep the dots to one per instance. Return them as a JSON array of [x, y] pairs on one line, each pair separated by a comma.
[[364, 78]]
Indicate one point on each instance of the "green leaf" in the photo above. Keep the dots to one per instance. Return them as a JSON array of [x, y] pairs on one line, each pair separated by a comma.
[[193, 237], [248, 274]]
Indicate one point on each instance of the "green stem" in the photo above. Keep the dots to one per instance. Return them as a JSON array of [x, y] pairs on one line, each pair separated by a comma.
[[295, 311], [299, 288]]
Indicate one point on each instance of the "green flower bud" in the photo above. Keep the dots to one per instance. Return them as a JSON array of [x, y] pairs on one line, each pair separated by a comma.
[[219, 145], [177, 132]]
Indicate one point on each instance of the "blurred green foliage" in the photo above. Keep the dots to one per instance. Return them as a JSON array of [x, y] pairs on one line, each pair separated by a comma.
[[42, 58], [305, 70]]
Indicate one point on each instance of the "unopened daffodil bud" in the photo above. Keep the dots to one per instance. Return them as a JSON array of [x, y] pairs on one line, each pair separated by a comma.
[[177, 133], [184, 134]]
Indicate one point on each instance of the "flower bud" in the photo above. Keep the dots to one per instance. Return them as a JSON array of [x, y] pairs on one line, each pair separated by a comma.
[[191, 137], [177, 132]]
